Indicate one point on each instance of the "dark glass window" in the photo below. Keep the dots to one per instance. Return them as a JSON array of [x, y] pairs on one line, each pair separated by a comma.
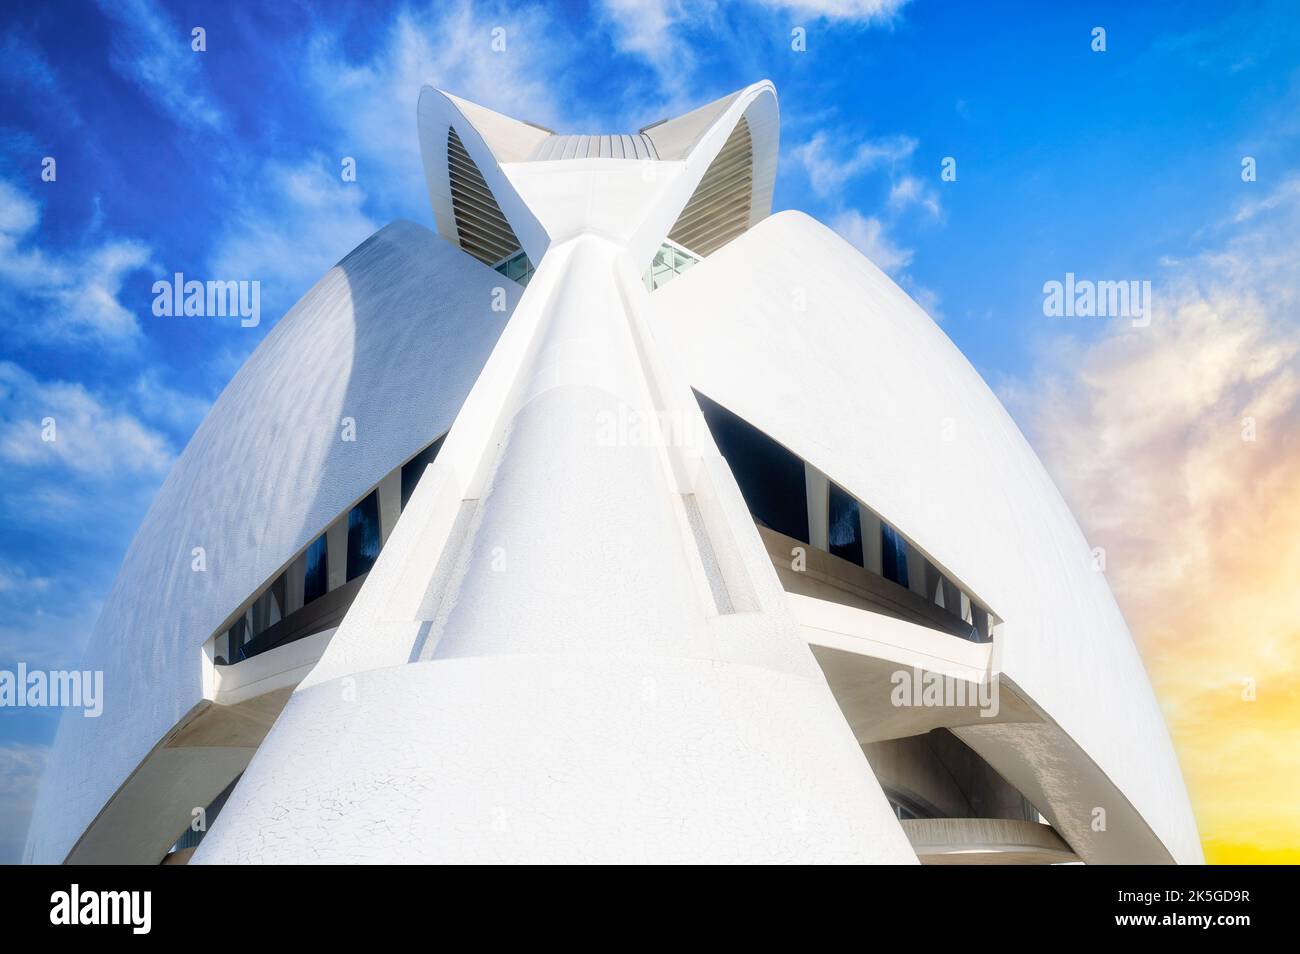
[[413, 469], [363, 536], [933, 584], [237, 636], [844, 531], [951, 597], [269, 607], [771, 478], [316, 580], [893, 554]]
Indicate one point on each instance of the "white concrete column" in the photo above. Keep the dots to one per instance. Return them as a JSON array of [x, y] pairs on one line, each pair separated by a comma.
[[336, 542], [293, 583], [818, 489], [390, 504], [872, 550], [915, 570]]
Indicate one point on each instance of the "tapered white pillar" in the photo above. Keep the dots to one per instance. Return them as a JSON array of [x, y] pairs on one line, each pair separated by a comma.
[[573, 647]]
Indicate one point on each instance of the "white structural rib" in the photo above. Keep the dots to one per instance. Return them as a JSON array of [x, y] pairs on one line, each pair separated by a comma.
[[462, 147], [573, 647], [718, 210], [735, 192], [392, 337], [795, 331]]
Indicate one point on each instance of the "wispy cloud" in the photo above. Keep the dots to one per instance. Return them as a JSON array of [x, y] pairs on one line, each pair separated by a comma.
[[297, 216], [75, 290], [372, 101], [669, 36], [1177, 445], [153, 51], [908, 190], [832, 163], [868, 235], [294, 223], [655, 33], [155, 400], [87, 437], [829, 168], [25, 67], [858, 11]]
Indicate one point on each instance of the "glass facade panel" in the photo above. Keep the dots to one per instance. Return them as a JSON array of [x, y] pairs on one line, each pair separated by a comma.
[[893, 555], [238, 635], [413, 469], [771, 478], [268, 609], [844, 526], [669, 262], [517, 268], [363, 536], [951, 597], [316, 578]]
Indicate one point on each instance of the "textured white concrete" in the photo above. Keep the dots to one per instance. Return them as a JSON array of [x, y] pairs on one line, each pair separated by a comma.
[[577, 649], [557, 758], [404, 322], [547, 662], [514, 141], [792, 329]]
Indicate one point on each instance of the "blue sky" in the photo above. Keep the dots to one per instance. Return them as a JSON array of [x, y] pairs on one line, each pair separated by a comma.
[[1123, 164]]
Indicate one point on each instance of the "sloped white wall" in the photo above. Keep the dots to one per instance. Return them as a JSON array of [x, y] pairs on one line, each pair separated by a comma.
[[393, 336], [794, 330]]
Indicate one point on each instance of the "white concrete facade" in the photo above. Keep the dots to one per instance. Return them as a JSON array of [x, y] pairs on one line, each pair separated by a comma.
[[575, 644]]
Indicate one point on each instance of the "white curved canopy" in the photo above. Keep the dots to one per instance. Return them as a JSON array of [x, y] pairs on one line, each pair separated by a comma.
[[794, 330], [403, 321]]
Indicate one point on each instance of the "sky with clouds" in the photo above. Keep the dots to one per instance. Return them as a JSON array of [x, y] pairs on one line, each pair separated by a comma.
[[1122, 164]]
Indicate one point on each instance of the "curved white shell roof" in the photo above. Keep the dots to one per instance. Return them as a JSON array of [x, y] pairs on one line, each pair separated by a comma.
[[404, 321], [542, 577], [792, 329]]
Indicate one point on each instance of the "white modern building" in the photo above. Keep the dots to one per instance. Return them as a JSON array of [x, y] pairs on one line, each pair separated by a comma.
[[619, 521]]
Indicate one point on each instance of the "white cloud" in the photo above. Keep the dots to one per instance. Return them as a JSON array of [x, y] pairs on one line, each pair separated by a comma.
[[372, 102], [868, 235], [1287, 192], [908, 190], [92, 439], [156, 401], [662, 32], [1175, 443], [861, 11], [18, 213], [297, 223], [1145, 424], [653, 32], [152, 51], [75, 292], [828, 170], [299, 217], [13, 578]]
